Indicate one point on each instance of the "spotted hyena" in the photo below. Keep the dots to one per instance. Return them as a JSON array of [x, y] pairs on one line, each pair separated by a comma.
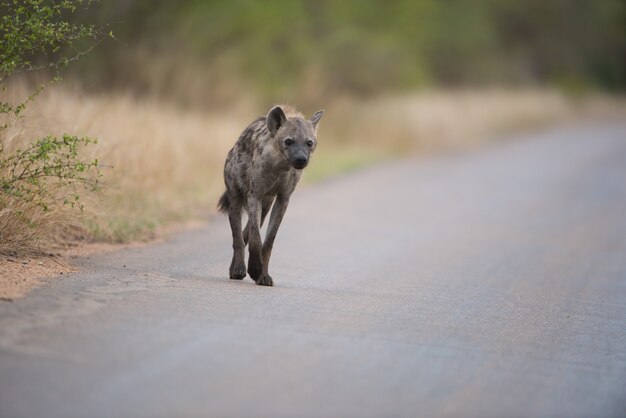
[[262, 169]]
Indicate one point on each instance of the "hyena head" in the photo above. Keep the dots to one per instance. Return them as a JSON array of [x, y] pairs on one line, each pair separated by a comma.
[[294, 136]]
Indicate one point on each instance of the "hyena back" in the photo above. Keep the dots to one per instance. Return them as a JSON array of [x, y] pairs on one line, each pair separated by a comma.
[[261, 170]]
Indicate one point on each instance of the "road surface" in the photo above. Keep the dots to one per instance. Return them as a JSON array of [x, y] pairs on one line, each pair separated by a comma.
[[483, 284]]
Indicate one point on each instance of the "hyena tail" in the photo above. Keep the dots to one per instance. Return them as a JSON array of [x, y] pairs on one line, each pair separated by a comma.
[[224, 203]]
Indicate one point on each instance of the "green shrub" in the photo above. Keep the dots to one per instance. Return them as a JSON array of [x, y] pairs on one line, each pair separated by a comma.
[[51, 163], [39, 174]]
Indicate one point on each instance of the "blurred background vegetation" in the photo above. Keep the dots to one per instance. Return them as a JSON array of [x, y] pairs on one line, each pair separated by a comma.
[[210, 51], [168, 94]]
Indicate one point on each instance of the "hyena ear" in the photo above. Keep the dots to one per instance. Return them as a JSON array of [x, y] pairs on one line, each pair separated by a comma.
[[316, 118], [275, 119]]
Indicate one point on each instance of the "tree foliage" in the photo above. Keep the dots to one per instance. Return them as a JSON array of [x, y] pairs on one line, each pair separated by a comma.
[[37, 35], [363, 46]]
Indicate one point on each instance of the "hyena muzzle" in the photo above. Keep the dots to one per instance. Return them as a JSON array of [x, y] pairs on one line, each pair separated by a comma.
[[261, 170]]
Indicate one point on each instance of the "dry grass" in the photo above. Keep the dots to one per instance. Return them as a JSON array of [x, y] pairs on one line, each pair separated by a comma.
[[435, 121], [159, 163], [163, 164]]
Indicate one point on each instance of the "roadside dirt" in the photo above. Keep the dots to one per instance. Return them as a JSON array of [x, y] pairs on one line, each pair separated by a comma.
[[21, 274]]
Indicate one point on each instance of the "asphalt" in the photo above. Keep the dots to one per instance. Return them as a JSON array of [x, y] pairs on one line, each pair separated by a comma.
[[483, 284]]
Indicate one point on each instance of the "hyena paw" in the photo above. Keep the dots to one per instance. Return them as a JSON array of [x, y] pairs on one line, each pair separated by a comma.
[[265, 280], [237, 271]]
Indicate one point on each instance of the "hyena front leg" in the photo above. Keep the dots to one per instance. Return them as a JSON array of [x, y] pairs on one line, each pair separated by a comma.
[[237, 269], [275, 219], [265, 208], [255, 262]]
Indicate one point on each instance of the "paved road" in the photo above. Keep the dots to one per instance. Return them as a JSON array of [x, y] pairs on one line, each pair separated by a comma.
[[489, 284]]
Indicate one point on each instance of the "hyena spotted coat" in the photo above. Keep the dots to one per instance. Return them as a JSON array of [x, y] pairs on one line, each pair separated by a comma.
[[262, 169]]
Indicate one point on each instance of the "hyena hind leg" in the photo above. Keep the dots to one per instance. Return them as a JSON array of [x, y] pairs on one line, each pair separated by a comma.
[[237, 270]]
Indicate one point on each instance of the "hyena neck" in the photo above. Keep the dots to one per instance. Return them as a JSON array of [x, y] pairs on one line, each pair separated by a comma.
[[270, 154], [277, 159]]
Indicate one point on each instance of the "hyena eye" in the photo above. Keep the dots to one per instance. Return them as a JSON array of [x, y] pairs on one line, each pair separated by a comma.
[[309, 143], [288, 141]]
